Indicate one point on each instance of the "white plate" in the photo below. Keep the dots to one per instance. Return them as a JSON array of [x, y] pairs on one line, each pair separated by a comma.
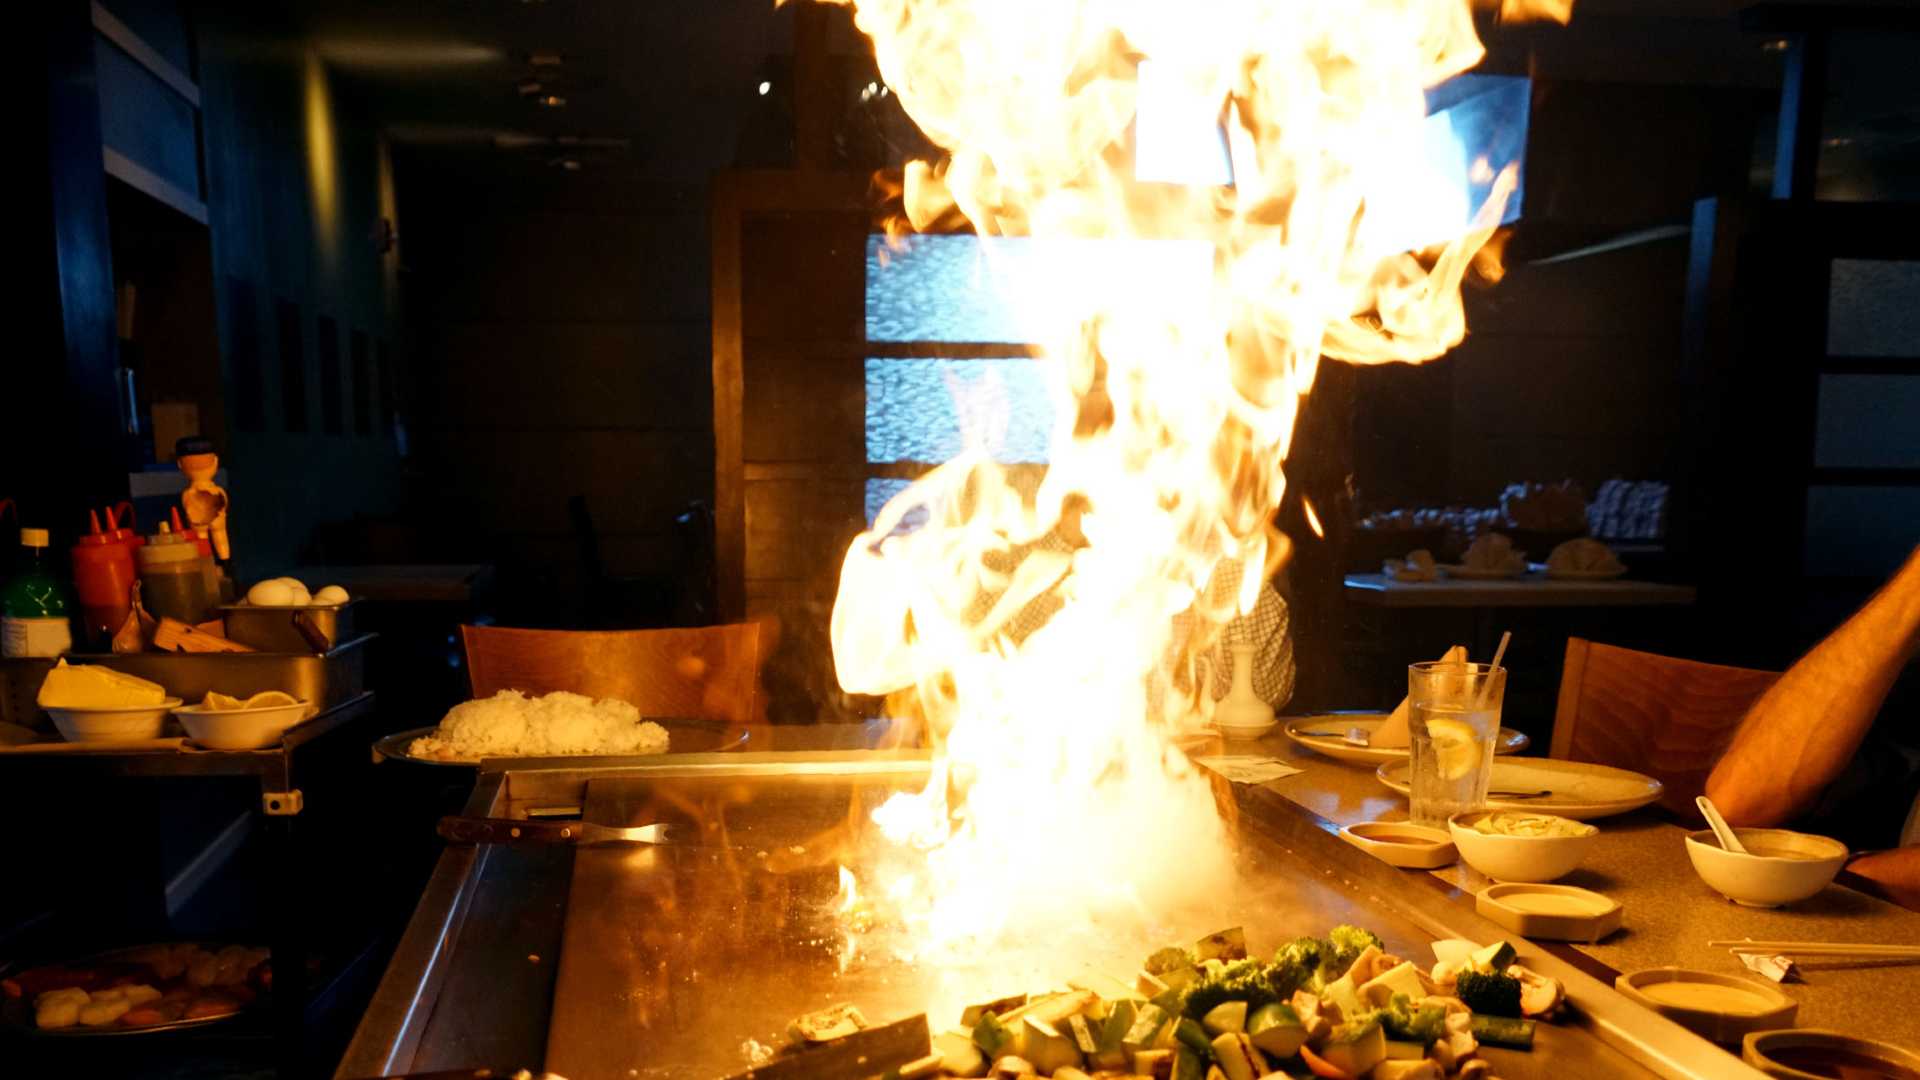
[[1468, 573], [1511, 741], [1580, 789]]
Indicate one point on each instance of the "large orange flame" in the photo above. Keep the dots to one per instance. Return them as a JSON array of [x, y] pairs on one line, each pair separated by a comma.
[[1183, 324]]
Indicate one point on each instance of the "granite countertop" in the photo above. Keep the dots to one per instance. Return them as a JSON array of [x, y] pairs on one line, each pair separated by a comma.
[[1640, 860]]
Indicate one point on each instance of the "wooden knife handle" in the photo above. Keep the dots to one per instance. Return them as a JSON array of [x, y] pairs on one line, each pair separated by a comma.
[[478, 830]]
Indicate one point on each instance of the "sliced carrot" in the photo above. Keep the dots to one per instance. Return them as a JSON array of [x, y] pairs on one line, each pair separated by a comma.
[[1320, 1066]]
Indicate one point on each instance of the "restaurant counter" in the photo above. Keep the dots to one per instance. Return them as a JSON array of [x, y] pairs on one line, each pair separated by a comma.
[[522, 957], [1669, 915]]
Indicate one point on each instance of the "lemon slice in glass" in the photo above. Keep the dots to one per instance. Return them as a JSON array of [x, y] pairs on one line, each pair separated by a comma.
[[1455, 752]]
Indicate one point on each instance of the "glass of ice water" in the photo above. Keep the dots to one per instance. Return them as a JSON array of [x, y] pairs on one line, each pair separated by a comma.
[[1453, 722]]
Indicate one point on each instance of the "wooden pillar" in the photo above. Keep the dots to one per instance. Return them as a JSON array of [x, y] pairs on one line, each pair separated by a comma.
[[815, 97]]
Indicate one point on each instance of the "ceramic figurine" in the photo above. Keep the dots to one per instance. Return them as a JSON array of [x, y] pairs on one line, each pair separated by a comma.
[[204, 501]]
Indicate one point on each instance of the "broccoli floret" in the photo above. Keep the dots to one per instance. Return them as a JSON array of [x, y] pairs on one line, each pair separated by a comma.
[[1348, 943], [1306, 952], [1250, 981], [1407, 1024], [1169, 959], [1301, 964], [1488, 994]]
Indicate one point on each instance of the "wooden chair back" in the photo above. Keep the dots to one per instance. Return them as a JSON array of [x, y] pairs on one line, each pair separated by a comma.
[[708, 672], [1666, 717]]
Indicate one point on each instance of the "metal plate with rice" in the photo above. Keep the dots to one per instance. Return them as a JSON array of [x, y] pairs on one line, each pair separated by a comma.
[[685, 735]]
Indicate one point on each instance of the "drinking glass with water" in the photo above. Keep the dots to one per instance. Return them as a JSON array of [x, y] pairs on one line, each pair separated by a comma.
[[1453, 723]]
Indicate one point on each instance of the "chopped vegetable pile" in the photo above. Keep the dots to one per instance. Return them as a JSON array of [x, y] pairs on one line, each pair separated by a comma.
[[1338, 1007]]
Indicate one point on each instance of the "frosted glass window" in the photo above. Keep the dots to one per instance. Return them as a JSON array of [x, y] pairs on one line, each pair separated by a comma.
[[1873, 308], [879, 490], [938, 288], [1005, 289], [1869, 422], [1860, 531], [926, 410]]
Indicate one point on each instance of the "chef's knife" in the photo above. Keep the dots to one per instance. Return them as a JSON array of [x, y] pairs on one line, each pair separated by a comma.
[[480, 830]]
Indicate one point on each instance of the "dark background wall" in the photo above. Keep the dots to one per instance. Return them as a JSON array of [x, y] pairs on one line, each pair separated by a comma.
[[298, 184], [561, 323]]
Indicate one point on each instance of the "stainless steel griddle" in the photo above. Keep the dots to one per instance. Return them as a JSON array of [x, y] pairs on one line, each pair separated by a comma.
[[672, 961]]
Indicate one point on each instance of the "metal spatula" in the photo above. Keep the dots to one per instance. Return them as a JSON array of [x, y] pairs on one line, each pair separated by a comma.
[[479, 830]]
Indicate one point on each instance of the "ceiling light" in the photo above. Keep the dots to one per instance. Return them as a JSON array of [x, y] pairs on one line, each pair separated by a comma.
[[550, 101], [765, 88], [1775, 45], [566, 164]]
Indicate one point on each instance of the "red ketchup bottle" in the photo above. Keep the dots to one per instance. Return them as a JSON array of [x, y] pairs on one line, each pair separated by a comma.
[[103, 578]]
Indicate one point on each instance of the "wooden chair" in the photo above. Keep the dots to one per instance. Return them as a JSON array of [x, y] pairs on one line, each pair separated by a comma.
[[1658, 715], [709, 672]]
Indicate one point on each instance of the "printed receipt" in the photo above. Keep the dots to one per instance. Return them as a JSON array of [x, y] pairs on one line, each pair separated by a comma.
[[1249, 768]]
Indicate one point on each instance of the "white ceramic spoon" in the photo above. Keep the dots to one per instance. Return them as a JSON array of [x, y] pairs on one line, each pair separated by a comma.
[[1719, 825]]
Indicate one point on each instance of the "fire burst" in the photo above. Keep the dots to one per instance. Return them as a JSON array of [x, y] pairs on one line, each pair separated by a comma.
[[1183, 325]]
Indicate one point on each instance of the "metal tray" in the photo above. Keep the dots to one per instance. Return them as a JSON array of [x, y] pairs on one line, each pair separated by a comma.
[[322, 679], [275, 629], [685, 735], [16, 1014]]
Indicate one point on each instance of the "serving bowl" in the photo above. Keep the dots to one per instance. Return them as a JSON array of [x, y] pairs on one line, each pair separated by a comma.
[[125, 723], [241, 729], [1517, 858], [1796, 1054], [1804, 867]]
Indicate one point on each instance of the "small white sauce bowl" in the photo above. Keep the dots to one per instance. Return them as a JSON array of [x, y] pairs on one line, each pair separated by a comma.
[[1766, 881]]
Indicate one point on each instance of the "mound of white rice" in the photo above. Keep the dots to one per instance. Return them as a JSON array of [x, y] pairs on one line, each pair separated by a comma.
[[511, 724]]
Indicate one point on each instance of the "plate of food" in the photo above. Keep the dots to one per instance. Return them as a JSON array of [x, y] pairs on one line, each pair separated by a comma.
[[139, 990], [1572, 789], [1328, 733], [561, 724]]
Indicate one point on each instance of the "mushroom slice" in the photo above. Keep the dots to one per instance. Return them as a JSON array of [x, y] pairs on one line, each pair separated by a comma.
[[1539, 994]]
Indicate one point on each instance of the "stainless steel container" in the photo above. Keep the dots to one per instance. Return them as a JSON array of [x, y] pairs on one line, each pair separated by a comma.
[[326, 679], [291, 629]]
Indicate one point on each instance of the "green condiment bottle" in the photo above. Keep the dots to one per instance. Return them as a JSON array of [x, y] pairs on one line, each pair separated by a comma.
[[33, 605]]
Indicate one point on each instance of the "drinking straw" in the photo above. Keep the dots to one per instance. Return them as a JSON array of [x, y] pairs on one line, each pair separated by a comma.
[[1486, 684]]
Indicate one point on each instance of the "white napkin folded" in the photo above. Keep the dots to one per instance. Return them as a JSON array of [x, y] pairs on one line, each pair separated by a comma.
[[1585, 555], [1393, 734], [1493, 553], [1417, 566]]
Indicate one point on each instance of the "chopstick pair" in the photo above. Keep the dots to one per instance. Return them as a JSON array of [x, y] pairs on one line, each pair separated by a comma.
[[1820, 948]]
